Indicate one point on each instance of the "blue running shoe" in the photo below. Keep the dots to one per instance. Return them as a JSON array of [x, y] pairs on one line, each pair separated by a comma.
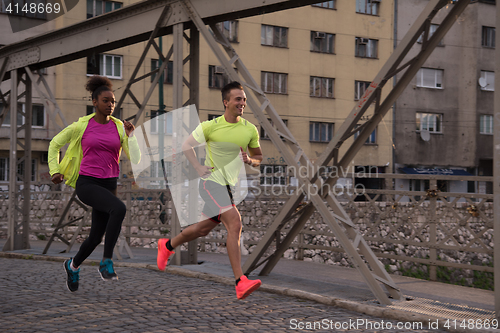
[[107, 271], [73, 276]]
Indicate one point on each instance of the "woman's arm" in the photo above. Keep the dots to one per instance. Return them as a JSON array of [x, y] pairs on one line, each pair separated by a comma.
[[55, 146]]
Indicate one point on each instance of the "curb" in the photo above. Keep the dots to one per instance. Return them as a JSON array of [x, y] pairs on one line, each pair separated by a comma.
[[372, 310]]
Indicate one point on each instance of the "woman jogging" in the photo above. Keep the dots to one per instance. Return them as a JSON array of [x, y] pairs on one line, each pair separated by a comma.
[[91, 166]]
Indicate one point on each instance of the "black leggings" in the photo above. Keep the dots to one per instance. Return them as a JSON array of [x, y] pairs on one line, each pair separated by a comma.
[[108, 213]]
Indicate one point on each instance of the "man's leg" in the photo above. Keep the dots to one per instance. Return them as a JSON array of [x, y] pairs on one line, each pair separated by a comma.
[[192, 232], [166, 246], [232, 221]]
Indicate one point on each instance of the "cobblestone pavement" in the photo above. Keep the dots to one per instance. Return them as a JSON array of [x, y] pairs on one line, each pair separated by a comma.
[[34, 298]]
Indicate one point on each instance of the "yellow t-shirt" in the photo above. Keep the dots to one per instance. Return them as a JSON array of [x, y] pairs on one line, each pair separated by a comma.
[[223, 141]]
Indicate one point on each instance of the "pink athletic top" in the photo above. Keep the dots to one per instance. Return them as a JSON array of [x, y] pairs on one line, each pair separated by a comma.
[[101, 150]]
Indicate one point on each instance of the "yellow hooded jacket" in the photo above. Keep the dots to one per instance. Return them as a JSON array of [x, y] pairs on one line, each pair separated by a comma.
[[70, 164]]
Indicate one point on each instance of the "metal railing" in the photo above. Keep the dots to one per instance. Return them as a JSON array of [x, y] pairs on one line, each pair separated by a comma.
[[431, 227]]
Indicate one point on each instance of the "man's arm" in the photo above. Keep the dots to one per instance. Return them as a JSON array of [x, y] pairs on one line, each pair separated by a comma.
[[255, 156], [188, 149]]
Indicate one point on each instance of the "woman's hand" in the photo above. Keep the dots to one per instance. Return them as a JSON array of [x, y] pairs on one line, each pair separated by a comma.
[[129, 127], [57, 178]]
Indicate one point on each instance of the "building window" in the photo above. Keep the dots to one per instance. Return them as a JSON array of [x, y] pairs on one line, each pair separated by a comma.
[[274, 83], [326, 4], [321, 87], [322, 42], [37, 120], [4, 169], [33, 170], [432, 30], [488, 37], [38, 116], [274, 36], [273, 174], [430, 78], [20, 170], [486, 124], [167, 125], [360, 88], [157, 170], [371, 140], [367, 6], [99, 7], [487, 80], [105, 65], [320, 132], [229, 29], [264, 135], [24, 8], [366, 48], [217, 77], [90, 109], [429, 122], [168, 73], [20, 118]]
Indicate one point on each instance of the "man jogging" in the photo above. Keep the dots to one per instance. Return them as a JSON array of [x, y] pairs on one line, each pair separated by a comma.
[[226, 137]]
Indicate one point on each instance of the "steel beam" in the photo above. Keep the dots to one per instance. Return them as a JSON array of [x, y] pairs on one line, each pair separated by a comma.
[[417, 62], [136, 23], [194, 98], [496, 173], [390, 68], [25, 201], [19, 201], [294, 156], [178, 84], [348, 126], [126, 26], [48, 98], [11, 243], [62, 223], [133, 78]]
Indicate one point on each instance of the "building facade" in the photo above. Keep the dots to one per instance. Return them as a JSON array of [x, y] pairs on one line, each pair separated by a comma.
[[444, 118], [313, 63]]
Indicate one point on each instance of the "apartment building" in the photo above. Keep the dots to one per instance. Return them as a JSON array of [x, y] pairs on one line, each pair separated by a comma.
[[313, 63], [444, 118]]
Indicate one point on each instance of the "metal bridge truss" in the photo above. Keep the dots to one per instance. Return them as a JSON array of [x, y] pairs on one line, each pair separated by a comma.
[[150, 19]]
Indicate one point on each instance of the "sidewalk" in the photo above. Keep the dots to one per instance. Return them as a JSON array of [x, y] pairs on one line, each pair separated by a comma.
[[332, 285]]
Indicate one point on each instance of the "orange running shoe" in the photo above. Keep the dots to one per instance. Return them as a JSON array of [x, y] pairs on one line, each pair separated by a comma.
[[245, 287], [163, 254]]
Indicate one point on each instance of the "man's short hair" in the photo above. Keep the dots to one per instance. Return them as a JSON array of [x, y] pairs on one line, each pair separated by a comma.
[[228, 87]]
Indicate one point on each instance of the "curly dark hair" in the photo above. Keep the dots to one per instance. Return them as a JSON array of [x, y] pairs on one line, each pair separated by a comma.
[[97, 84]]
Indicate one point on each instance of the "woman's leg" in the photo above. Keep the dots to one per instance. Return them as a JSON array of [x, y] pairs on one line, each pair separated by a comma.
[[108, 213], [117, 213], [97, 229]]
